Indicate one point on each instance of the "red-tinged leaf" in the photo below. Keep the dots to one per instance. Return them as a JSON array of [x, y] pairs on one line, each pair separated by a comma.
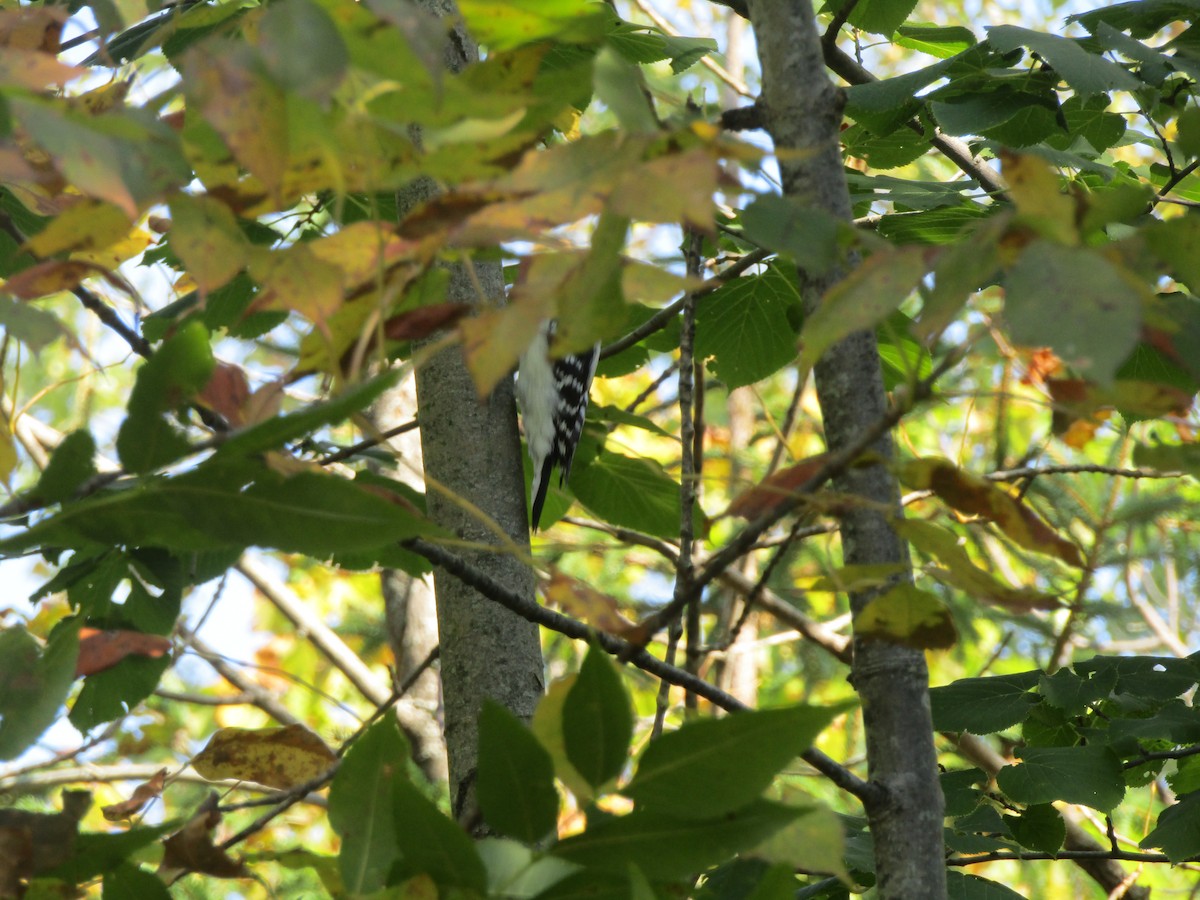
[[191, 848], [423, 321], [907, 615], [276, 757], [142, 794], [978, 497], [49, 277], [584, 602], [100, 650], [1042, 365], [227, 393], [778, 488]]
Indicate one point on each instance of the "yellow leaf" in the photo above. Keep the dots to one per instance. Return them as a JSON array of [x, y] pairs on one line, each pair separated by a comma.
[[8, 455], [584, 602], [295, 279], [909, 616], [275, 757], [979, 497], [87, 225], [1039, 199], [205, 235]]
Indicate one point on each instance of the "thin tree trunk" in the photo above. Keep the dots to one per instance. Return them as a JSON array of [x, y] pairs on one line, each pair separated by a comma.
[[410, 611], [472, 453], [802, 112]]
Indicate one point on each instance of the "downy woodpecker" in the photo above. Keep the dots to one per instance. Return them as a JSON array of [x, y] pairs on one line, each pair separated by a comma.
[[554, 396]]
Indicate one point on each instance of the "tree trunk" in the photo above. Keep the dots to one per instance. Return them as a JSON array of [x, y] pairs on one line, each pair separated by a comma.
[[472, 453], [410, 611], [802, 112]]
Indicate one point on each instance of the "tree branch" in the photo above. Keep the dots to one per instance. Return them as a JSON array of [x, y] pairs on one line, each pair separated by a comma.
[[871, 795]]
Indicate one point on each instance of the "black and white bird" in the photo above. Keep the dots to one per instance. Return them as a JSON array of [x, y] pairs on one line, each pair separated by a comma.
[[553, 394]]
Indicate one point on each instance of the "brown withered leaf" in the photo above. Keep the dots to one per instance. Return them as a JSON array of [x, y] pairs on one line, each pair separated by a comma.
[[191, 848], [777, 488], [100, 650], [142, 794], [978, 497], [423, 321], [275, 757], [227, 392], [587, 604]]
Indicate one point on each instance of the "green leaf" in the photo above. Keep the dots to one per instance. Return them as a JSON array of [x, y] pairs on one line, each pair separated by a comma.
[[117, 691], [711, 766], [619, 86], [279, 430], [815, 841], [862, 299], [1087, 73], [226, 506], [167, 381], [515, 783], [936, 40], [33, 684], [1177, 832], [1053, 283], [503, 25], [983, 705], [362, 804], [71, 464], [629, 491], [432, 843], [132, 882], [30, 324], [597, 720], [96, 854], [960, 788], [960, 886], [880, 16], [1152, 677], [302, 48], [1089, 774], [1073, 693], [666, 848], [812, 237], [1039, 827], [746, 327]]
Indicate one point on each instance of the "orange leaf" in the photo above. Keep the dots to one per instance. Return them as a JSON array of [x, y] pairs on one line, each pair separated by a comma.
[[100, 650], [142, 795], [781, 486], [587, 604]]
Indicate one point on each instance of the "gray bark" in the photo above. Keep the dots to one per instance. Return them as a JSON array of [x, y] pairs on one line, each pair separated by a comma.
[[802, 112], [472, 452]]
